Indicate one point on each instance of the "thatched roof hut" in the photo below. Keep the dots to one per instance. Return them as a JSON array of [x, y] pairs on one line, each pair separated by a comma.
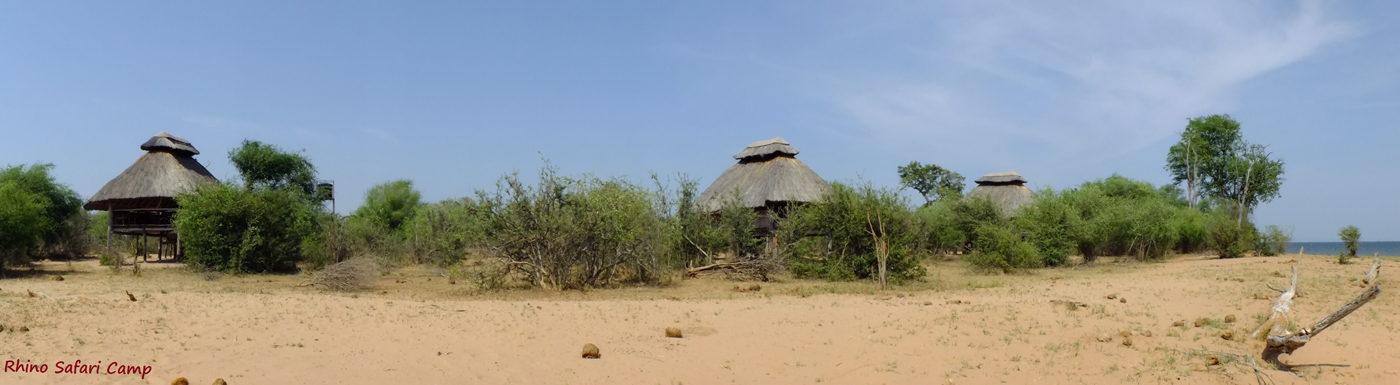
[[167, 169], [1007, 190], [768, 175]]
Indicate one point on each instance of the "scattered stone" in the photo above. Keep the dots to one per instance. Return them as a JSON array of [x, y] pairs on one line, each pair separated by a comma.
[[1104, 337], [451, 281], [1230, 319], [219, 381], [673, 333], [1125, 334], [2, 328], [1112, 296], [1227, 335], [58, 278], [755, 287], [1237, 279], [31, 293], [1146, 333], [24, 329], [1127, 341], [899, 295], [591, 351], [1179, 323], [180, 381], [927, 303], [1202, 321], [1212, 361], [1122, 300]]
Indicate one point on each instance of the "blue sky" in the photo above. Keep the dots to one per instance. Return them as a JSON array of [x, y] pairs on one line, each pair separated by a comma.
[[453, 95]]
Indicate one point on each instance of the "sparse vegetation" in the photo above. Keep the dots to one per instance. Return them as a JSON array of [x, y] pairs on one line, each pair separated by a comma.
[[1351, 238]]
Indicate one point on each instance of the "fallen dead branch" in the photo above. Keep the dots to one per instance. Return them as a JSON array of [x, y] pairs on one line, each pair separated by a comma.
[[753, 267], [1279, 340]]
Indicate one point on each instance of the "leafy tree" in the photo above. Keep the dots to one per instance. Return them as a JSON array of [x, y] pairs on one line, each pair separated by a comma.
[[1213, 159], [1351, 237], [390, 204], [931, 181], [22, 224], [61, 204], [267, 166]]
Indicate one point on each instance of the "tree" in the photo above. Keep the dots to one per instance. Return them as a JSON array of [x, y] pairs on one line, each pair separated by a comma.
[[931, 181], [267, 166], [1213, 159], [22, 221], [1351, 237], [59, 202], [390, 204]]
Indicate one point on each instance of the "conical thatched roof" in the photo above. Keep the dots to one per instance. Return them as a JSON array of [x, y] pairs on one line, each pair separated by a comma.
[[1006, 190], [169, 143], [767, 172], [166, 170]]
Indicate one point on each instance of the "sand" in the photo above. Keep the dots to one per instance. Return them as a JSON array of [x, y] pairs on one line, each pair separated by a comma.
[[957, 327]]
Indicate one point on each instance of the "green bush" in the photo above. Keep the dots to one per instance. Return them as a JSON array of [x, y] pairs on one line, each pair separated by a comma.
[[64, 223], [937, 229], [1051, 225], [22, 223], [1227, 236], [236, 230], [576, 233], [443, 233], [390, 204], [831, 238], [1001, 249], [1273, 241]]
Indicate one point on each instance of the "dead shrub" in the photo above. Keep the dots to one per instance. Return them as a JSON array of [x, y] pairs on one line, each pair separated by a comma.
[[349, 275]]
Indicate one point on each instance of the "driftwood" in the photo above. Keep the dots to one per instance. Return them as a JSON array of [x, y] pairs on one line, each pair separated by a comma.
[[1279, 340], [753, 267]]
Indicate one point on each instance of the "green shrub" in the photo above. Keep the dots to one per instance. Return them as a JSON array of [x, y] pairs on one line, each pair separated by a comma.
[[1273, 241], [576, 233], [1351, 238], [390, 204], [22, 223], [937, 228], [443, 233], [1001, 249], [1227, 237], [236, 230], [1051, 225], [831, 238], [64, 223], [1191, 230]]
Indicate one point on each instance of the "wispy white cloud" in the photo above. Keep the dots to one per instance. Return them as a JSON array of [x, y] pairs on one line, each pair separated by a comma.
[[1084, 77]]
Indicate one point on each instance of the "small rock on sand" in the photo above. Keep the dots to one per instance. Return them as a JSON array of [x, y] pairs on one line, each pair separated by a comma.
[[673, 332], [1122, 300], [58, 278], [1146, 333], [1179, 323], [1227, 335], [1202, 321], [927, 303], [591, 351], [1104, 337], [219, 381], [24, 329], [1127, 341], [1112, 296], [1230, 318], [180, 381]]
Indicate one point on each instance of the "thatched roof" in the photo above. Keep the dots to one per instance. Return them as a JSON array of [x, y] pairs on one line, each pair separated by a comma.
[[1006, 190], [169, 143], [762, 148], [766, 173], [155, 179], [1000, 178]]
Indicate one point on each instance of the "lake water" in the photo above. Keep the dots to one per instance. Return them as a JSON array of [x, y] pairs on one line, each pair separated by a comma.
[[1332, 248]]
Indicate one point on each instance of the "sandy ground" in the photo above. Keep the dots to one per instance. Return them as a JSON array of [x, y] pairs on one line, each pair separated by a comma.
[[957, 327]]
